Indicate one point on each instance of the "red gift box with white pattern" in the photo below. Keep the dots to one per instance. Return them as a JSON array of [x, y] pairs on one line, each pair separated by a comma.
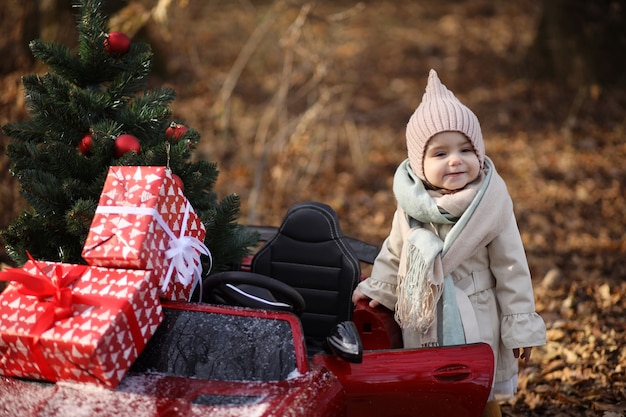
[[144, 221], [65, 322]]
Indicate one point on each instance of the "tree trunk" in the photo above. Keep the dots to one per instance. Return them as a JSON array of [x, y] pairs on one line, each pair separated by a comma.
[[581, 42]]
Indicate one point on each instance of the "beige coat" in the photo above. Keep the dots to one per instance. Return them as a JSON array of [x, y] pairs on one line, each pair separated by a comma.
[[496, 279]]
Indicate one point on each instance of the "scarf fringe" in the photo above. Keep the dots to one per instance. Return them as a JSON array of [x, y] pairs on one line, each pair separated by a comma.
[[418, 296]]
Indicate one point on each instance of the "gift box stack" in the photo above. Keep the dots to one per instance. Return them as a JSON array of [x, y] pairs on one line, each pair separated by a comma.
[[89, 323]]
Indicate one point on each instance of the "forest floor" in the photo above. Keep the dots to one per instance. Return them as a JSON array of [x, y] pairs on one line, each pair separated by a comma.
[[310, 103]]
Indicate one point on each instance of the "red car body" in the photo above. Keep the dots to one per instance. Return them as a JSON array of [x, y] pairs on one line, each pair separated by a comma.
[[447, 381]]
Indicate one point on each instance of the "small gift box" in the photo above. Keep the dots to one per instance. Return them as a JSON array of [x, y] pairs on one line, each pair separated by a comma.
[[144, 221], [64, 322]]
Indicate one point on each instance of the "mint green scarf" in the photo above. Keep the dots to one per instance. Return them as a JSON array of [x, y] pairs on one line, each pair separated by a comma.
[[428, 283]]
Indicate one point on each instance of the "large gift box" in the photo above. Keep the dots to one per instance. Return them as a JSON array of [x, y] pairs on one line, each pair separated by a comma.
[[65, 322], [144, 221]]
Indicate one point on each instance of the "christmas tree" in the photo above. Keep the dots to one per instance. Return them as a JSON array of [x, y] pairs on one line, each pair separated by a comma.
[[90, 111]]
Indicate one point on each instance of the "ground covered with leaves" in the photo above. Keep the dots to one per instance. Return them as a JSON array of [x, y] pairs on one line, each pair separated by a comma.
[[301, 102]]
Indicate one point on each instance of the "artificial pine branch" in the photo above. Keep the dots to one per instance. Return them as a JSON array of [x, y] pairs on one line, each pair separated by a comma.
[[58, 57]]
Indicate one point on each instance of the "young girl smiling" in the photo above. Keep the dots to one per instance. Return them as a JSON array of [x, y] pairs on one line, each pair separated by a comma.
[[453, 267]]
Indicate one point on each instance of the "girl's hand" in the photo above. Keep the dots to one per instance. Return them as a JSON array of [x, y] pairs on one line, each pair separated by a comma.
[[525, 353], [358, 295]]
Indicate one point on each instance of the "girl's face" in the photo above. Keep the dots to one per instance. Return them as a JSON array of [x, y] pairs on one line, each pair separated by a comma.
[[450, 161]]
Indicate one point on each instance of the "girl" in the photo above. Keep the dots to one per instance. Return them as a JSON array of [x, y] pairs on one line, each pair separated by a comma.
[[453, 267]]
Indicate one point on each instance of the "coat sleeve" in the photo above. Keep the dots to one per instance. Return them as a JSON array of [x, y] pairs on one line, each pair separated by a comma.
[[381, 285], [520, 324]]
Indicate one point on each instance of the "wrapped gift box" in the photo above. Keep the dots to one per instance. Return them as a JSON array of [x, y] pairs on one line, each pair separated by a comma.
[[144, 221], [64, 322]]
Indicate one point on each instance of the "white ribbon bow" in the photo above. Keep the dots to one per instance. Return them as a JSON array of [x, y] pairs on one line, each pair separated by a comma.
[[184, 251]]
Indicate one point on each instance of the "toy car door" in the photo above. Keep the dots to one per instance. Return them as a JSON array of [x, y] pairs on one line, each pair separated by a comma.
[[443, 381]]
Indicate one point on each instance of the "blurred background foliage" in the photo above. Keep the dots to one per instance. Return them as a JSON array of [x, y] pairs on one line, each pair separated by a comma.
[[299, 100]]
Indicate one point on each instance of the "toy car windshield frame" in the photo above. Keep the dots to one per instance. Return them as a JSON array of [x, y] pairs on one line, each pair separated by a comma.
[[224, 344]]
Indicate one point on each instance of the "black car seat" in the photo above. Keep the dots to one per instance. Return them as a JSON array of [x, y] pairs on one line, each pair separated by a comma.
[[310, 253]]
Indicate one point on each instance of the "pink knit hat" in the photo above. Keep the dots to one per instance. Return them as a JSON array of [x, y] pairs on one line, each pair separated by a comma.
[[440, 111]]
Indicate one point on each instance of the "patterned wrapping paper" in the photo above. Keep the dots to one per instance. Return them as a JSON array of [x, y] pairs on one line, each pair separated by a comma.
[[65, 322], [144, 221]]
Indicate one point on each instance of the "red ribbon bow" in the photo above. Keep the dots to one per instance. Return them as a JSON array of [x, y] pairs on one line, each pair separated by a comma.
[[54, 291]]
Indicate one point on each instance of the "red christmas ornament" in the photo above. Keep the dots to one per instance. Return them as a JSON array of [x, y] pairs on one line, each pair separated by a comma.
[[175, 131], [116, 43], [126, 143], [85, 145], [178, 181]]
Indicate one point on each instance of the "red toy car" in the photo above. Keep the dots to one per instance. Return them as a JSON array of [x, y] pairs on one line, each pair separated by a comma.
[[261, 355], [208, 360]]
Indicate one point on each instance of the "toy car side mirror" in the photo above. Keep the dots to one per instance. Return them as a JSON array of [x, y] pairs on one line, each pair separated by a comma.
[[345, 342]]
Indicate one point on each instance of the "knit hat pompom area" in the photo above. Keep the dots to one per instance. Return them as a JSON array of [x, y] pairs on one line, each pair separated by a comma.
[[440, 111]]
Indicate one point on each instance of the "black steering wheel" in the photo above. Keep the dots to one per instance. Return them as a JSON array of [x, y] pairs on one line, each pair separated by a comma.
[[248, 289]]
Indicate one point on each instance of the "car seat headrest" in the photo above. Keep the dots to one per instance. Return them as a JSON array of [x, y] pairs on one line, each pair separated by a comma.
[[310, 222]]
